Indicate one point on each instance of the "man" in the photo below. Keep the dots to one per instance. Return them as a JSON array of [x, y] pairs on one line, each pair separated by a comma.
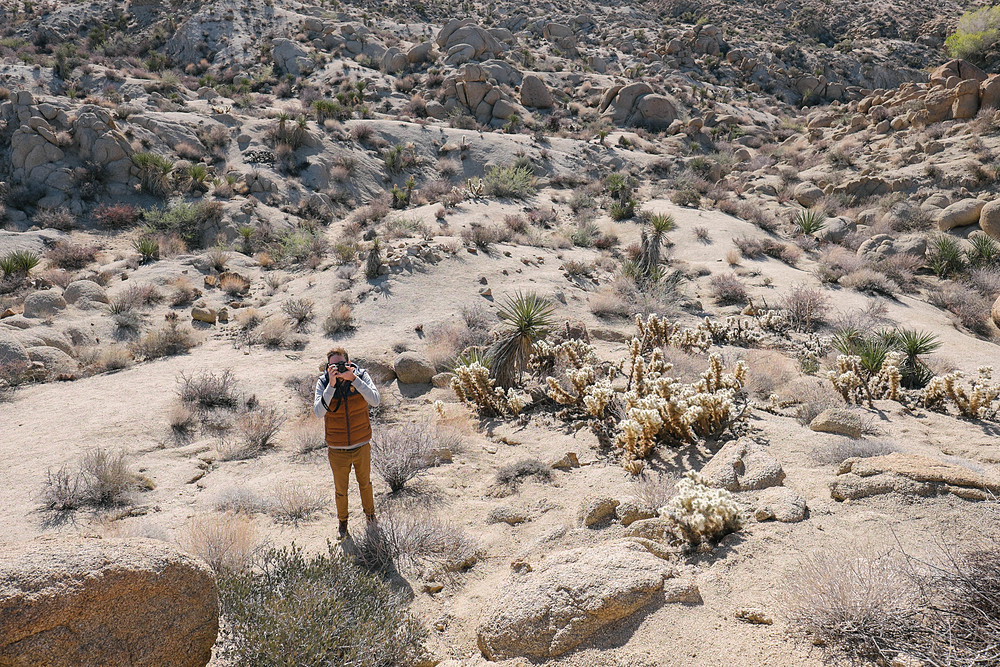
[[343, 394]]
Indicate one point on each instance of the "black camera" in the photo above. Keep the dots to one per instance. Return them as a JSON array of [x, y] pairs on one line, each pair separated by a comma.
[[341, 366]]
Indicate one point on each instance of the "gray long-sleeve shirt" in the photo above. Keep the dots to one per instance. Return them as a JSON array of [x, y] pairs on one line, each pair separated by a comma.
[[363, 383]]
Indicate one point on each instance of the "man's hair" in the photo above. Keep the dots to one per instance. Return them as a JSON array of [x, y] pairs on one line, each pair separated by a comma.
[[338, 350]]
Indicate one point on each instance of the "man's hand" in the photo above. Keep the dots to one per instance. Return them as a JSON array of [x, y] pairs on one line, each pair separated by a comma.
[[346, 375]]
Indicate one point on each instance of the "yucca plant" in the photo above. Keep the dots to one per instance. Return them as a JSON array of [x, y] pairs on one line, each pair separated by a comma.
[[984, 251], [148, 248], [945, 255], [474, 354], [154, 172], [914, 344], [653, 236], [18, 263], [528, 318], [809, 221], [373, 264]]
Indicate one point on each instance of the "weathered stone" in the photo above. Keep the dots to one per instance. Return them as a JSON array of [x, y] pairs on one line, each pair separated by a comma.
[[44, 304], [989, 93], [782, 504], [841, 421], [959, 214], [413, 368], [85, 294], [807, 194], [629, 511], [597, 510], [105, 602], [995, 312], [53, 359], [290, 57], [743, 465], [442, 379], [989, 219], [12, 352], [908, 473], [206, 315], [549, 608], [534, 93], [508, 515]]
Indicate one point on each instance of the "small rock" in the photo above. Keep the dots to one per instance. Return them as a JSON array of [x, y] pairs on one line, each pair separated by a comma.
[[505, 514], [841, 421], [207, 315], [807, 194], [681, 590], [743, 465], [753, 615], [630, 511], [596, 510], [433, 587], [782, 504], [485, 291], [567, 462], [413, 368], [442, 379]]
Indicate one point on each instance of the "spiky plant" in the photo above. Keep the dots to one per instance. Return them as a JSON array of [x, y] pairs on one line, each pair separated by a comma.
[[984, 251], [945, 256], [148, 248], [914, 344], [154, 172], [653, 235], [374, 262], [809, 221], [18, 263], [528, 318]]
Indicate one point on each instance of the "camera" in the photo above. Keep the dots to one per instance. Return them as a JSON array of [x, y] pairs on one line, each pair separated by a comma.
[[341, 366]]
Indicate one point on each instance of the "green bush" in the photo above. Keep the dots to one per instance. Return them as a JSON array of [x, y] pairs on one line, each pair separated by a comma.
[[154, 173], [516, 182], [186, 220], [320, 610], [18, 263], [977, 32]]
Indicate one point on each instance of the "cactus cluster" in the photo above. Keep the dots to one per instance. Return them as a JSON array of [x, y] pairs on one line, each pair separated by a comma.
[[702, 513], [859, 382], [975, 401], [473, 384]]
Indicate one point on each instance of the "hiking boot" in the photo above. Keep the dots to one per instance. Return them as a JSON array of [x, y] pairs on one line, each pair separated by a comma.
[[342, 531], [371, 519]]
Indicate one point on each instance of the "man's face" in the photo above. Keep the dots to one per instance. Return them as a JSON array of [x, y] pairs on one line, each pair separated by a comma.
[[332, 362]]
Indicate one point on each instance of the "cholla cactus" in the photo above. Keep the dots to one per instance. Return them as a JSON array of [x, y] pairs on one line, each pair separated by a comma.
[[856, 384], [656, 331], [740, 331], [663, 409], [975, 402], [576, 353], [472, 384], [589, 393], [701, 512]]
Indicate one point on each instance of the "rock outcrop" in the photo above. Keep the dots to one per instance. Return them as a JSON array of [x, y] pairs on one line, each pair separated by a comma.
[[463, 40], [105, 602], [548, 608], [909, 474], [743, 465], [636, 104]]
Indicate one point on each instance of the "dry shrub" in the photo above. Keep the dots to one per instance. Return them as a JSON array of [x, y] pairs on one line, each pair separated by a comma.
[[871, 281], [71, 256], [255, 432], [859, 598], [292, 503], [402, 452], [806, 307], [968, 306], [168, 340], [308, 435], [182, 421], [228, 542], [103, 479], [412, 540], [512, 474], [811, 396], [841, 449], [653, 492], [233, 284], [835, 262], [750, 212], [339, 320], [98, 359], [55, 218], [300, 311], [768, 372], [728, 290], [207, 390], [275, 332], [184, 292], [609, 303]]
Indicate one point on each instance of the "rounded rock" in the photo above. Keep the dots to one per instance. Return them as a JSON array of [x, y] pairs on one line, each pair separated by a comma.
[[413, 368], [44, 304], [989, 219]]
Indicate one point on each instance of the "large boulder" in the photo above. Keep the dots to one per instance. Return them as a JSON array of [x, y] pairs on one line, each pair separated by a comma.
[[548, 608], [743, 465], [637, 104], [962, 69], [44, 304], [289, 57], [989, 219], [85, 294], [989, 93], [413, 368], [534, 93], [995, 313], [72, 602], [53, 359], [807, 193], [909, 474], [841, 421], [961, 213], [12, 352]]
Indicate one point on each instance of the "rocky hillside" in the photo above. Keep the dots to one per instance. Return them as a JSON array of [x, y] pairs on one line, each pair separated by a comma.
[[683, 314]]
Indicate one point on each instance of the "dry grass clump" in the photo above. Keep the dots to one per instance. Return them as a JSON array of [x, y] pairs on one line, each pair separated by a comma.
[[768, 373], [728, 290], [233, 284], [227, 542], [55, 218], [841, 449], [756, 248], [445, 342], [276, 333], [98, 359], [747, 210], [416, 540], [810, 396], [292, 503], [299, 311], [653, 492], [968, 306], [240, 500], [184, 292], [871, 281], [103, 478], [309, 434]]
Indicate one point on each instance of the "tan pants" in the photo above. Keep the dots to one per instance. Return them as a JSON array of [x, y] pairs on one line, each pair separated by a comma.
[[340, 463]]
